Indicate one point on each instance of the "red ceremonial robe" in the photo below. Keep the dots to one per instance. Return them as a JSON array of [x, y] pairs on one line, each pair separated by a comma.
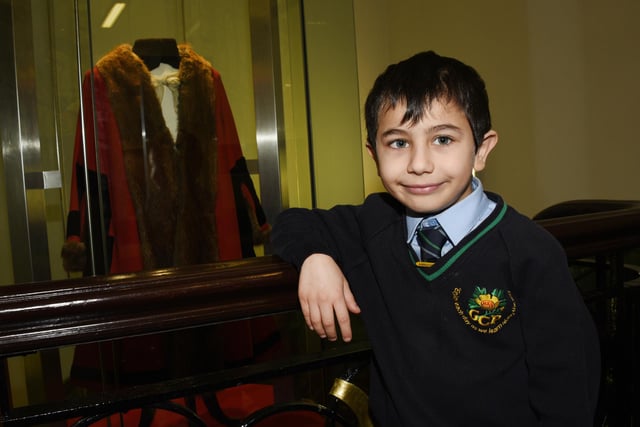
[[155, 202]]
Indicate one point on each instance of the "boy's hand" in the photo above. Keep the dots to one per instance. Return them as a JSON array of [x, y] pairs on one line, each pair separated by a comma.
[[323, 290]]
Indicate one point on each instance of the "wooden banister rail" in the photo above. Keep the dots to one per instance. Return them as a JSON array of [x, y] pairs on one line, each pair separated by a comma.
[[51, 314], [43, 315], [589, 234]]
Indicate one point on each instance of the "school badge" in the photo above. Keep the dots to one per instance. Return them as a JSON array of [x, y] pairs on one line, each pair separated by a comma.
[[485, 312]]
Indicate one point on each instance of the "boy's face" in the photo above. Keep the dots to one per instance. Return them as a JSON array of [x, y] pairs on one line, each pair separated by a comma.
[[427, 166]]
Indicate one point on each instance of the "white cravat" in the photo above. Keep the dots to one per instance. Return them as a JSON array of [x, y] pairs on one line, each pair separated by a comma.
[[164, 77]]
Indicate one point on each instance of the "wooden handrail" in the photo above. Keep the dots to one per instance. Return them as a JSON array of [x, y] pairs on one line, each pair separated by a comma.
[[51, 314], [589, 234], [35, 316]]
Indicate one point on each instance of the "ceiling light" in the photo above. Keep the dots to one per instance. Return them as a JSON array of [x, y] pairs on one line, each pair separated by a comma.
[[113, 14]]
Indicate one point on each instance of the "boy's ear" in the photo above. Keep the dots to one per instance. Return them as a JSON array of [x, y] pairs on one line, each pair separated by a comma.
[[372, 152], [489, 141]]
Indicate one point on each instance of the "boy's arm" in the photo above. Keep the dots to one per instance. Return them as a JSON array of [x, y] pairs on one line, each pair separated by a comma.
[[562, 343], [313, 240], [323, 290]]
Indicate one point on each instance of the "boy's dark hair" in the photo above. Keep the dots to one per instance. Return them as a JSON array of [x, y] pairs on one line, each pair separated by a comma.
[[422, 79]]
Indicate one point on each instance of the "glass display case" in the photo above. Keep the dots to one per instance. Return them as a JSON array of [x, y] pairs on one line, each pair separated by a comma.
[[90, 74], [145, 135]]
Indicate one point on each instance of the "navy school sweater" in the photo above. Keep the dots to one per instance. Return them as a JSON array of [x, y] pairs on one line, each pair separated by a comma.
[[494, 334]]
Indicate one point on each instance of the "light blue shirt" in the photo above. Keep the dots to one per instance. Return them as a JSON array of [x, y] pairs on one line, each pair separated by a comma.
[[458, 220]]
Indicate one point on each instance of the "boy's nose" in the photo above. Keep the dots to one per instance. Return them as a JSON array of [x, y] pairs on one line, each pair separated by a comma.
[[420, 161]]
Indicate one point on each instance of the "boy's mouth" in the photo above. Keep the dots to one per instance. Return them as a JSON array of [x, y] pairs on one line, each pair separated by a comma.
[[422, 188]]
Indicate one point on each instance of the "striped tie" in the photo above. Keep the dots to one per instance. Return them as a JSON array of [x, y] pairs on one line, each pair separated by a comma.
[[431, 239]]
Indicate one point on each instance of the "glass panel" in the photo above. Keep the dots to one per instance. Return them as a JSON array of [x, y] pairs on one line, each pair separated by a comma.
[[143, 212], [171, 183], [89, 167], [118, 191]]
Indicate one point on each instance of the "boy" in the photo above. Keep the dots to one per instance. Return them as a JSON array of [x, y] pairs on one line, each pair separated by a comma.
[[493, 332]]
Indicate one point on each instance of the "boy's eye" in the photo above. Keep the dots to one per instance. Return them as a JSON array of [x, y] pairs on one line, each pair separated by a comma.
[[442, 140], [398, 143]]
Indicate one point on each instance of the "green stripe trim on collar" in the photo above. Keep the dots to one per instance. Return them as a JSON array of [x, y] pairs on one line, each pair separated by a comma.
[[437, 273]]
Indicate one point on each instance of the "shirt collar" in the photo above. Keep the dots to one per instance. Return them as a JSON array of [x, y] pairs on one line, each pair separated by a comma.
[[458, 219]]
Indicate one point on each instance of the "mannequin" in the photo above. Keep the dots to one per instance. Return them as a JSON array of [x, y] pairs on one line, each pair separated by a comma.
[[154, 51], [162, 58]]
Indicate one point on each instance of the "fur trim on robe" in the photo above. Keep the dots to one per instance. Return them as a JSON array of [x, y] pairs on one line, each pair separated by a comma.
[[174, 190]]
